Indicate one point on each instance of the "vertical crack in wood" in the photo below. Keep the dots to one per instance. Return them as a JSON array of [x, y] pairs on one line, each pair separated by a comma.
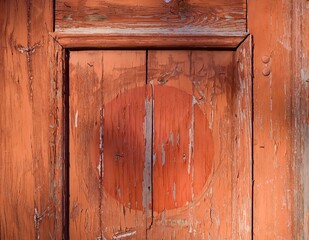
[[54, 125], [147, 165], [66, 152], [28, 53], [101, 147], [149, 158], [101, 170], [191, 146], [152, 150], [37, 219]]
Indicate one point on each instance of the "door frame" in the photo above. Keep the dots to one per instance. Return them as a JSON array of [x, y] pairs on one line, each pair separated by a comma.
[[60, 44]]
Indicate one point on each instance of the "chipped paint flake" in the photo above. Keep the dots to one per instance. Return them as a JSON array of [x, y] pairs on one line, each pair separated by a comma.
[[174, 193], [304, 73], [118, 192], [178, 139], [154, 159], [124, 234], [191, 136], [101, 147], [171, 138], [76, 119], [162, 154]]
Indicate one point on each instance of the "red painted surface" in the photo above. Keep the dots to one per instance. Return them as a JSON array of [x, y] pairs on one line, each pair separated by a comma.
[[183, 148]]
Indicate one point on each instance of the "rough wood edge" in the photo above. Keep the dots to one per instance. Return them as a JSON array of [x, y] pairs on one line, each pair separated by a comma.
[[300, 114], [106, 41], [57, 141], [243, 151]]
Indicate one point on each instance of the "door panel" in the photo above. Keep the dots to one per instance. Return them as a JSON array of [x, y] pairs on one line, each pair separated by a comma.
[[155, 144], [108, 113], [193, 117]]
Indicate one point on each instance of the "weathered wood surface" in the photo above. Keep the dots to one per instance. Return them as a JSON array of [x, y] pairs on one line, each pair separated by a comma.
[[27, 158], [191, 121], [110, 168], [30, 179], [275, 210], [300, 59], [151, 16], [148, 41], [202, 182], [242, 145]]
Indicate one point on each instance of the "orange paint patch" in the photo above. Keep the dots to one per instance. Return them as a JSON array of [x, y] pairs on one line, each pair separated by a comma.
[[183, 148]]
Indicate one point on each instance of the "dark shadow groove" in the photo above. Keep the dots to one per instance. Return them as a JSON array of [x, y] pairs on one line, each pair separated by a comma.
[[66, 140]]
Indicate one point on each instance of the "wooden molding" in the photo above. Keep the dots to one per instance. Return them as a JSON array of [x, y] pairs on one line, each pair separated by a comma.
[[99, 41]]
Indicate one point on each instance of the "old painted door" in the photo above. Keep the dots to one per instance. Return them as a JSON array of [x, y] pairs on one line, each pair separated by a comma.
[[31, 120], [159, 144]]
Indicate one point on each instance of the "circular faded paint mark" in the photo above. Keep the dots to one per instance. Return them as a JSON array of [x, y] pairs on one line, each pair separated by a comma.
[[181, 144]]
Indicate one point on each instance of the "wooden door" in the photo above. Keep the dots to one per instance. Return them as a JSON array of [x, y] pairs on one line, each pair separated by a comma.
[[159, 144], [35, 37]]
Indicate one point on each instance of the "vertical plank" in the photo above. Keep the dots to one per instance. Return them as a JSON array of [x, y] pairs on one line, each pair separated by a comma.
[[300, 41], [126, 200], [270, 24], [108, 145], [17, 200], [84, 109], [26, 194], [57, 158], [304, 108], [39, 24], [197, 171], [242, 144]]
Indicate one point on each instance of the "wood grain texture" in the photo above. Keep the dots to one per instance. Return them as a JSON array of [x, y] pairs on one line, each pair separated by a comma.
[[242, 145], [300, 41], [31, 120], [109, 161], [84, 147], [148, 41], [202, 174], [151, 17], [270, 23], [27, 203], [192, 119], [57, 139]]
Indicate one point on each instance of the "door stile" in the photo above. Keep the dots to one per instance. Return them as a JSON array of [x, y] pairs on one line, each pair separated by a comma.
[[243, 143]]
